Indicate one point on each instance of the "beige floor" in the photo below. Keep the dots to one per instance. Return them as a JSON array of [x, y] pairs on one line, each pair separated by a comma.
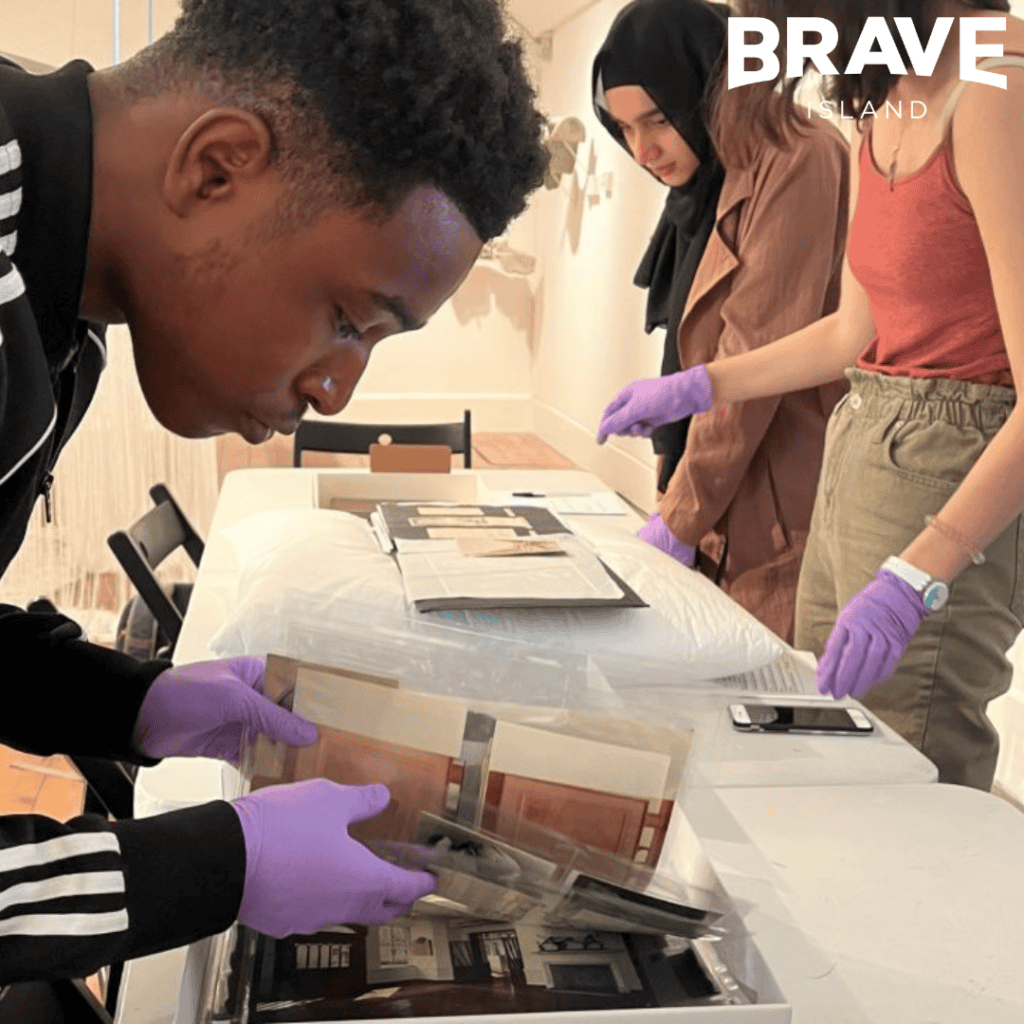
[[489, 450]]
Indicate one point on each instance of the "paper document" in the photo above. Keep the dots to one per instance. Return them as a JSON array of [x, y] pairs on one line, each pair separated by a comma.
[[578, 576], [789, 674], [412, 525], [493, 556], [478, 548]]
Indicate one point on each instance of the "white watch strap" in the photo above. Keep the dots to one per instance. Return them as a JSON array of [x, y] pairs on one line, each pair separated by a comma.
[[917, 578]]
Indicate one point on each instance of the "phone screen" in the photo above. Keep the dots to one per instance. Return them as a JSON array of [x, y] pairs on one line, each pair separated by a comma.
[[790, 718]]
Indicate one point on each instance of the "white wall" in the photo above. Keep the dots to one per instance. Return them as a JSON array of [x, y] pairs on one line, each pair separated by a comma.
[[54, 31], [590, 338], [475, 353]]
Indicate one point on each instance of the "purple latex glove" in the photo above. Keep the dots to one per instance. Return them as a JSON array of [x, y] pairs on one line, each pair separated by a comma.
[[203, 710], [659, 536], [642, 407], [869, 637], [304, 872]]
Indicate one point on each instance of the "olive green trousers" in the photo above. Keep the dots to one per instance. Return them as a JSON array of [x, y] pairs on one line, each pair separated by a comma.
[[896, 449]]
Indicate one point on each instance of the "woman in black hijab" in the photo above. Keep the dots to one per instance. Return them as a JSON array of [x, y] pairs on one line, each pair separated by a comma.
[[670, 49], [745, 251]]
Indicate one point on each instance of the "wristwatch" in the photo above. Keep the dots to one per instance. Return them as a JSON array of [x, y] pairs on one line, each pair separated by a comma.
[[934, 593]]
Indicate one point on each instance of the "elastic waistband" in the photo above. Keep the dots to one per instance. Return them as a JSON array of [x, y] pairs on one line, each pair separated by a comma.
[[953, 401]]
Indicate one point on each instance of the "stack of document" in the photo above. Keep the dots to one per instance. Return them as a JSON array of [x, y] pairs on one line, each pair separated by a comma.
[[493, 556]]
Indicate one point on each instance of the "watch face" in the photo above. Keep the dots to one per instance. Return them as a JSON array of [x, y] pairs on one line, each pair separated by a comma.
[[935, 596]]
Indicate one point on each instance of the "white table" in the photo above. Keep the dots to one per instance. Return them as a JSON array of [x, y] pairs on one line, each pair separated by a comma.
[[892, 904], [721, 758], [909, 898]]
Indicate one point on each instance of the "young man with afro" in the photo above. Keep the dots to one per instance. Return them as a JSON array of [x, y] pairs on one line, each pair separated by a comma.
[[262, 196]]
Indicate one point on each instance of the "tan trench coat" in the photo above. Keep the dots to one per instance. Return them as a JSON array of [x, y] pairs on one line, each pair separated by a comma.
[[744, 489]]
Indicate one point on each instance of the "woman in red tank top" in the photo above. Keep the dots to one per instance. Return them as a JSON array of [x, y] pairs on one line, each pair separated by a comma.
[[912, 585]]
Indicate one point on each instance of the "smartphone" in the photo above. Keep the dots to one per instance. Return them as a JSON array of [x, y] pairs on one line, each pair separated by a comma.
[[800, 718]]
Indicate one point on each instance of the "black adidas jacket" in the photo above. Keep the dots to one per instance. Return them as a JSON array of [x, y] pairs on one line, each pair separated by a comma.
[[74, 897]]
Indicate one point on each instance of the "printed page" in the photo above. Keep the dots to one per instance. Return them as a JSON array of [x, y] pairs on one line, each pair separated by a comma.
[[449, 574], [569, 760], [418, 720], [412, 523]]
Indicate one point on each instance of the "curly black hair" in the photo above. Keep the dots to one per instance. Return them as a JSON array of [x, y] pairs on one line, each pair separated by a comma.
[[368, 99]]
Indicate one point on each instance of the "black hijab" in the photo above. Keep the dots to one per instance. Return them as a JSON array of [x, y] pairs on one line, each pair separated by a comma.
[[670, 48]]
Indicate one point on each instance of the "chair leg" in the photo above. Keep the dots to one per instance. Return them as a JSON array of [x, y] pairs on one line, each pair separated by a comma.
[[113, 987], [80, 1006], [110, 787]]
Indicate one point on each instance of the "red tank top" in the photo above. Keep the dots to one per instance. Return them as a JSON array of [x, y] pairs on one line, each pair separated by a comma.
[[915, 248]]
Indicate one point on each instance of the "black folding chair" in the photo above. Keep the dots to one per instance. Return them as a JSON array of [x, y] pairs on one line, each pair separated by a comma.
[[140, 549], [356, 438], [51, 1002], [149, 626]]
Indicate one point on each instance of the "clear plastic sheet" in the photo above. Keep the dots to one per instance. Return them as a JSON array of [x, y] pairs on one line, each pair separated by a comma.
[[420, 653], [606, 780], [541, 903], [333, 562]]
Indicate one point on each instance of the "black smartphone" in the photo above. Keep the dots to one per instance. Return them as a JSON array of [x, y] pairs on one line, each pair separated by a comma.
[[806, 718]]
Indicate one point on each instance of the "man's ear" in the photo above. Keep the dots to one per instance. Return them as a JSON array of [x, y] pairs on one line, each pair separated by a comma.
[[219, 152]]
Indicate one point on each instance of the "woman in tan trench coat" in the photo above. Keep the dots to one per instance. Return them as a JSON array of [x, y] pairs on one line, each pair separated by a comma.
[[743, 255]]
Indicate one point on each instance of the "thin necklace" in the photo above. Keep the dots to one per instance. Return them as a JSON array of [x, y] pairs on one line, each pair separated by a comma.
[[892, 166], [895, 157]]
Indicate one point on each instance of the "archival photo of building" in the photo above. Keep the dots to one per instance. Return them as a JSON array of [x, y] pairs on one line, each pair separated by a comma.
[[439, 755], [423, 967]]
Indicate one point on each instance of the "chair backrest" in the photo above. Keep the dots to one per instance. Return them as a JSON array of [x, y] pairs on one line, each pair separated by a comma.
[[145, 544], [50, 1002], [193, 543], [356, 438]]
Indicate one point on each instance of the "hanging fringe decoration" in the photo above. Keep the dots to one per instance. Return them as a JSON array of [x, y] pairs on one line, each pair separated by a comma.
[[101, 485]]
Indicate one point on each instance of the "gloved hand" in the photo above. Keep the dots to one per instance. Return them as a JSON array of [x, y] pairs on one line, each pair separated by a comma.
[[659, 536], [202, 710], [642, 407], [304, 872], [869, 637]]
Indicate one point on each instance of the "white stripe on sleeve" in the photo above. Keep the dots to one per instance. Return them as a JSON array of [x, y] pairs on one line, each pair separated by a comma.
[[89, 883], [10, 204], [11, 286], [101, 345], [66, 924], [79, 844], [10, 156], [8, 243], [28, 455]]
